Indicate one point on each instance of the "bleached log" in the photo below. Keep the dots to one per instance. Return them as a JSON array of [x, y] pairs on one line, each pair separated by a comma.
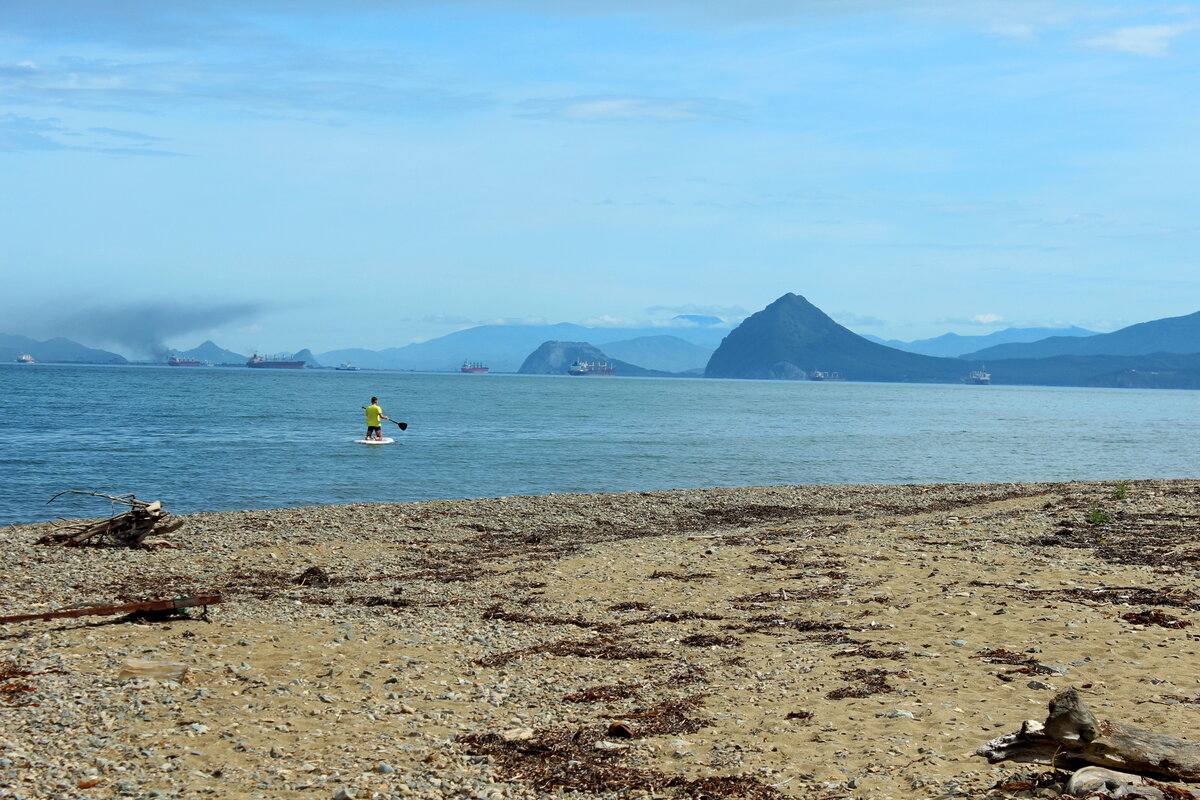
[[1072, 733]]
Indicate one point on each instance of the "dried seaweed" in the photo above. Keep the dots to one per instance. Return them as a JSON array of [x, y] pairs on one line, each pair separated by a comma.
[[565, 761], [313, 576], [1156, 617], [594, 694], [630, 605], [667, 717], [672, 616], [604, 648], [784, 596], [710, 640], [864, 683], [496, 612], [1002, 656], [868, 652], [802, 714], [682, 576]]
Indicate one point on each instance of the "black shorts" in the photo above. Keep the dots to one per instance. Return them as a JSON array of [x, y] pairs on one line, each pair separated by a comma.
[[374, 429]]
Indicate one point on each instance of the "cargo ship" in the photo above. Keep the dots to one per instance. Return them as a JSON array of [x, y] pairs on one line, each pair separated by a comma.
[[274, 362], [25, 358], [591, 368], [346, 367], [176, 361], [979, 377], [474, 367]]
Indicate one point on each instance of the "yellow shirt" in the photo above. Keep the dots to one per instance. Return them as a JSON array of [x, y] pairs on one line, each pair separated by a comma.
[[373, 415]]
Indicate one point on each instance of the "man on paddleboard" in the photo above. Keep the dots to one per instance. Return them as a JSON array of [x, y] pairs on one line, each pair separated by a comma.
[[374, 414]]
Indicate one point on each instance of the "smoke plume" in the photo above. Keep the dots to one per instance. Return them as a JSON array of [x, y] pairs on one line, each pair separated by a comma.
[[142, 327]]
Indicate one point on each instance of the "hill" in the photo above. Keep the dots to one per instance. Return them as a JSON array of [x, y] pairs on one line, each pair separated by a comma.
[[666, 353], [1170, 335], [504, 347], [791, 337], [57, 350], [1155, 371], [953, 345], [553, 358], [208, 351], [308, 358]]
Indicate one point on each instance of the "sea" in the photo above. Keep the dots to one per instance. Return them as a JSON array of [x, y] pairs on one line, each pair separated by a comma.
[[215, 439]]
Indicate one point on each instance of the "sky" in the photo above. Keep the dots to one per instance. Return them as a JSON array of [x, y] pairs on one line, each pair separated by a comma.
[[277, 175]]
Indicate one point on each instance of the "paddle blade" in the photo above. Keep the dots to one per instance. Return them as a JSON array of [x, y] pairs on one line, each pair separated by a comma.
[[403, 425]]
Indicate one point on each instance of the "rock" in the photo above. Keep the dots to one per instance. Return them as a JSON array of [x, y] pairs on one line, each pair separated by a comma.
[[605, 744], [1092, 780], [163, 670], [516, 734], [385, 769], [1039, 685], [344, 793]]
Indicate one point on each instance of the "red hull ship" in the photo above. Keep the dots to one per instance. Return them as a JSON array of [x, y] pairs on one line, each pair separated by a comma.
[[473, 367]]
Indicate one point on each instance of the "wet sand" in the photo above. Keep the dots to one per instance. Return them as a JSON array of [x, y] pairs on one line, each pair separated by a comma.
[[794, 641]]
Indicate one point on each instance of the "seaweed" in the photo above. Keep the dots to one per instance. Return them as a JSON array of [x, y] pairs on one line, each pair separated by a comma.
[[864, 683], [604, 648]]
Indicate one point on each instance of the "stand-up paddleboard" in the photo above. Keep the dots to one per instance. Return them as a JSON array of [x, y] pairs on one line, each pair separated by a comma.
[[384, 440]]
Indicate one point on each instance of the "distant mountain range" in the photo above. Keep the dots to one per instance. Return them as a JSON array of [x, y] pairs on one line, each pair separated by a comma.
[[953, 345], [54, 350], [505, 347], [791, 337], [1170, 335]]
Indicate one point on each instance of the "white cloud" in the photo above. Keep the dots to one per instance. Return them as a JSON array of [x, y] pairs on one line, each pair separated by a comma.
[[987, 319], [1141, 40], [627, 109]]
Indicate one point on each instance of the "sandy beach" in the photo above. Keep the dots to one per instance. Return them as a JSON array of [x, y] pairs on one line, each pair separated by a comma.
[[792, 641]]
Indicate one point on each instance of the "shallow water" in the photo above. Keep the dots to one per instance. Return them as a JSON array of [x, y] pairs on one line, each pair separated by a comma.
[[219, 439]]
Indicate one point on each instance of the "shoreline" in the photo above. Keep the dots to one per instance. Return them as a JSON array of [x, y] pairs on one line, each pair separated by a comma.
[[816, 641]]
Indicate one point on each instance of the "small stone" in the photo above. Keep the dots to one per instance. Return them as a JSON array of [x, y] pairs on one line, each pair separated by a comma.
[[1039, 685], [344, 793], [516, 734], [385, 769], [959, 642]]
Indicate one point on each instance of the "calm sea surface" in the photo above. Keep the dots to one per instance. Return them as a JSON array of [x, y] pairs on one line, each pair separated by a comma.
[[219, 439]]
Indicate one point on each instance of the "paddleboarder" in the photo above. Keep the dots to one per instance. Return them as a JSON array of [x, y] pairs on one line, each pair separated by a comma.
[[374, 414]]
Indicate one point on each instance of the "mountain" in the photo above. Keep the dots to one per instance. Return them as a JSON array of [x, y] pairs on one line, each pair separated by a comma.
[[553, 358], [666, 353], [504, 347], [211, 353], [308, 358], [54, 350], [791, 337], [953, 345], [1170, 335], [1156, 371]]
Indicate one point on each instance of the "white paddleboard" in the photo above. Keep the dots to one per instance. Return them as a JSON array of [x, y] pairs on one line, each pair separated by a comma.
[[384, 440]]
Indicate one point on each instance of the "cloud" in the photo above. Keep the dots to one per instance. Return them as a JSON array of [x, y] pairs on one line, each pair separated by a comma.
[[725, 312], [449, 319], [850, 319], [143, 326], [600, 108], [976, 319], [27, 134], [121, 134], [1141, 40]]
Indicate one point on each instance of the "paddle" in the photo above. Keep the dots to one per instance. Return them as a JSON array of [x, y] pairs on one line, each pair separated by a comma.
[[403, 425]]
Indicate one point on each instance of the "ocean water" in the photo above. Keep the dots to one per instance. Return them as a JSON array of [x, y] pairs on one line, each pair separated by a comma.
[[217, 439]]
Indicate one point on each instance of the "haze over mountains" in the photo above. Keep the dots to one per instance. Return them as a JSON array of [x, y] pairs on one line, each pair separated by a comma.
[[790, 339]]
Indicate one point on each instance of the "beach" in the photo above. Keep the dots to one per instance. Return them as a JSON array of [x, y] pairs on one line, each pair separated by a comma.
[[784, 641]]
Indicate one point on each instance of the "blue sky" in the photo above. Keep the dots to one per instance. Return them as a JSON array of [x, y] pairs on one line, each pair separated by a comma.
[[278, 175]]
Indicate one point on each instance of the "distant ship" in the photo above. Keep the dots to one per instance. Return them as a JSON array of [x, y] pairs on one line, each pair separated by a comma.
[[476, 367], [818, 375], [185, 361], [274, 362], [591, 368], [979, 377], [25, 358], [345, 367]]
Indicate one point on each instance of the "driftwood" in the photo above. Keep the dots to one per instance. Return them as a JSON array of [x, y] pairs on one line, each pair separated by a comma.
[[1072, 733], [171, 605], [129, 529]]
